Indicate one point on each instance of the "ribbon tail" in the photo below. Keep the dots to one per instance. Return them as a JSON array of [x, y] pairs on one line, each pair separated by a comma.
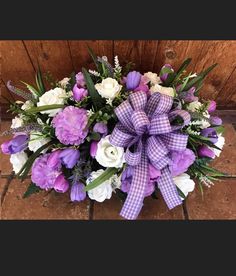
[[168, 189], [134, 200]]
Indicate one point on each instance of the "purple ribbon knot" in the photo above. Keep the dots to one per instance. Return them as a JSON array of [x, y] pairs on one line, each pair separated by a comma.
[[145, 128]]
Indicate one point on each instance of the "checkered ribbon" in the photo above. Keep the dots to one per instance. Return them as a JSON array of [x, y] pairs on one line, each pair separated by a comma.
[[146, 128]]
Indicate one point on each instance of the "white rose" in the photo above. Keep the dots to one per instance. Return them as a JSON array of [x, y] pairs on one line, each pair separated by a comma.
[[18, 160], [36, 141], [101, 192], [17, 122], [27, 105], [108, 88], [220, 143], [194, 106], [153, 78], [108, 155], [53, 96], [63, 83], [169, 91], [184, 183]]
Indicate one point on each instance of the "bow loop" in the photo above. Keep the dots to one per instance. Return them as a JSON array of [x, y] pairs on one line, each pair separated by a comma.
[[134, 152], [156, 149], [140, 122], [138, 100], [159, 125]]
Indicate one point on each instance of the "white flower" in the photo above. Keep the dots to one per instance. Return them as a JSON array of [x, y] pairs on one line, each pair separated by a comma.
[[90, 112], [101, 192], [184, 183], [116, 181], [63, 83], [194, 106], [108, 155], [36, 141], [18, 160], [17, 122], [169, 91], [27, 105], [109, 101], [108, 88], [153, 78], [53, 96], [95, 73], [220, 143]]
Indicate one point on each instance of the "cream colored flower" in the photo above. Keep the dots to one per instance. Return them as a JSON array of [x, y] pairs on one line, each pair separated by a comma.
[[184, 183], [108, 88], [169, 91], [153, 78], [37, 141], [17, 122], [18, 160]]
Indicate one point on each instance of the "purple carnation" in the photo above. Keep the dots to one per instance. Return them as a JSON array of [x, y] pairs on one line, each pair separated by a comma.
[[80, 81], [180, 161], [61, 184], [44, 175], [70, 125]]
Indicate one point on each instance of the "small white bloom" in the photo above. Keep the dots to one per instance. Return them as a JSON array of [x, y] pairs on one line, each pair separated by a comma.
[[18, 160], [63, 83], [27, 105], [17, 122], [95, 73], [36, 141], [109, 101], [153, 78], [169, 91], [220, 143], [101, 192], [53, 96], [108, 155], [108, 88], [194, 106], [184, 183], [105, 58], [90, 112]]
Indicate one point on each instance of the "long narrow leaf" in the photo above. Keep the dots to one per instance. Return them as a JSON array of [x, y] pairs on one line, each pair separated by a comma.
[[93, 56], [33, 90], [182, 68], [44, 107], [39, 81]]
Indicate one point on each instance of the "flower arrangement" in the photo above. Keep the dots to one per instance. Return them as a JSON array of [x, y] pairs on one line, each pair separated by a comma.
[[115, 130]]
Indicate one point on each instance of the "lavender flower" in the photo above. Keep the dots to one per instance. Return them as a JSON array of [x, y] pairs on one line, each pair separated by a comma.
[[69, 157], [79, 93], [93, 148], [54, 160], [204, 151], [100, 128], [214, 120], [165, 71], [17, 144], [211, 106], [80, 81], [61, 184], [210, 133], [77, 192], [5, 147], [188, 96], [133, 80]]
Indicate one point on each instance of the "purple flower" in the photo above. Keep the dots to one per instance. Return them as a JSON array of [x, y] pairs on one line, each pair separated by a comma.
[[93, 148], [180, 161], [17, 144], [100, 128], [77, 192], [80, 81], [214, 120], [211, 106], [204, 151], [5, 147], [188, 96], [133, 80], [165, 70], [43, 175], [54, 160], [61, 184], [70, 125], [210, 133], [69, 157], [79, 93], [142, 87]]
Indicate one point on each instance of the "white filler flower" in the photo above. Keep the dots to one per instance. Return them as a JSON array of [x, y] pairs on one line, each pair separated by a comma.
[[101, 192], [153, 78], [108, 155], [194, 106], [169, 91], [108, 88], [184, 183], [36, 141], [17, 122], [53, 96], [27, 105], [63, 83], [18, 160]]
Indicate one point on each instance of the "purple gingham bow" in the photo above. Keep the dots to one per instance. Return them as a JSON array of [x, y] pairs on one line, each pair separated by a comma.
[[145, 128]]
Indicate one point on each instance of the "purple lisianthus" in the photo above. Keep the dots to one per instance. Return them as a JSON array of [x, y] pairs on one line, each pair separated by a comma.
[[5, 147], [77, 192], [17, 144], [181, 161], [70, 125], [93, 148], [79, 93], [80, 81], [165, 71], [188, 96], [54, 160], [43, 174], [61, 184], [100, 128], [211, 106], [69, 157], [133, 80], [216, 121], [204, 151], [210, 133]]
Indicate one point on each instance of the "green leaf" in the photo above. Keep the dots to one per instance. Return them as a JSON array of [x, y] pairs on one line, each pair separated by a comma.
[[109, 172], [181, 69], [39, 81], [93, 56], [32, 189], [95, 97], [44, 107], [35, 92]]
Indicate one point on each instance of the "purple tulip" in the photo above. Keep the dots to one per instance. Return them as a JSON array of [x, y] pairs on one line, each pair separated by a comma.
[[93, 148], [54, 160], [214, 120], [61, 185], [188, 96], [69, 157], [100, 128], [165, 71], [133, 80], [211, 106], [210, 133], [204, 151], [80, 80], [77, 192], [79, 93], [5, 147]]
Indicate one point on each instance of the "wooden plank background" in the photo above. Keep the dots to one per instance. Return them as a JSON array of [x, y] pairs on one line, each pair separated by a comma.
[[19, 61]]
